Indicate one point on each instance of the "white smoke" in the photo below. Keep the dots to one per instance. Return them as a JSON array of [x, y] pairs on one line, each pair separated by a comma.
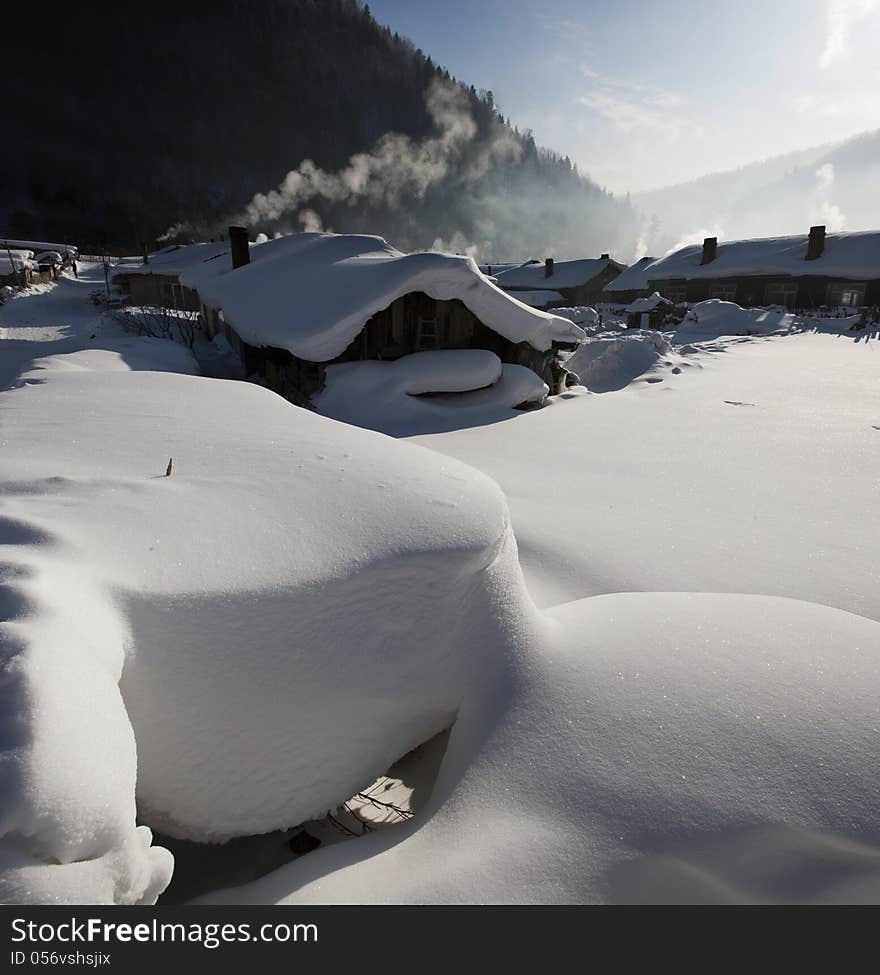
[[459, 244], [697, 237], [823, 211], [824, 177], [397, 166]]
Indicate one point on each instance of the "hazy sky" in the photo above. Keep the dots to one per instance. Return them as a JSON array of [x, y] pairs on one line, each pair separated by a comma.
[[643, 93]]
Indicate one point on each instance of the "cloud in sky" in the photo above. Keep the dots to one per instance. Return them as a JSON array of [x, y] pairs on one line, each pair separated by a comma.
[[841, 16], [630, 106]]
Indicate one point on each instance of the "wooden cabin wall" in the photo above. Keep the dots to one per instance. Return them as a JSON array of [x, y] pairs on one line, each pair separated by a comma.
[[751, 290]]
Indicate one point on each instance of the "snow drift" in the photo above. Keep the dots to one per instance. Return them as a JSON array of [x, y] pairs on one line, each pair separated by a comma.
[[407, 395], [290, 612], [716, 317], [606, 364]]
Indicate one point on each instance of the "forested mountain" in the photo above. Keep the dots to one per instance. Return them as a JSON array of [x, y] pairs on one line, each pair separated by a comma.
[[833, 184], [124, 120]]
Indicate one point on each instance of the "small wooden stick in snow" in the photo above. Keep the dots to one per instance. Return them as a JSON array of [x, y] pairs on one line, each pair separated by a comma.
[[168, 468]]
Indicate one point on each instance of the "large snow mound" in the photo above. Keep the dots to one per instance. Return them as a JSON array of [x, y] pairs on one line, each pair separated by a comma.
[[606, 364], [647, 742], [290, 612], [390, 396], [717, 317], [313, 293]]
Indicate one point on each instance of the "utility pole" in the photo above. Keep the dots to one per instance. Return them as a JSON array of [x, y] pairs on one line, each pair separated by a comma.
[[105, 261], [12, 265]]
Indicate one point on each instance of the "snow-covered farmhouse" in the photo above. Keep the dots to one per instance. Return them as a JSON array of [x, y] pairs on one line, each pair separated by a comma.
[[803, 271], [293, 305], [156, 281], [578, 283]]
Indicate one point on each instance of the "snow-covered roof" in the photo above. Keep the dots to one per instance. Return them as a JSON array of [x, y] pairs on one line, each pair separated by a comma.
[[313, 293], [633, 278], [855, 256], [176, 259], [37, 245], [566, 274], [493, 269], [647, 304], [538, 299]]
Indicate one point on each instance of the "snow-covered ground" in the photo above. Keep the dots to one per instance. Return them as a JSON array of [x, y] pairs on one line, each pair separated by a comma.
[[658, 650]]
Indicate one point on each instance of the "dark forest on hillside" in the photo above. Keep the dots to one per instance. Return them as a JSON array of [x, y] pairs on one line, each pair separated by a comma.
[[122, 120]]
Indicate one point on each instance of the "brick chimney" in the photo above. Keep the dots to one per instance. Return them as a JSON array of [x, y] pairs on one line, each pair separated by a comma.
[[815, 243], [605, 257], [710, 250], [548, 267], [238, 243]]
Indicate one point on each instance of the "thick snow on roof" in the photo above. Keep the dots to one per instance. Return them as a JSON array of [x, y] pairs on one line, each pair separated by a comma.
[[647, 304], [313, 293], [854, 256], [633, 278], [174, 260], [566, 274], [37, 245]]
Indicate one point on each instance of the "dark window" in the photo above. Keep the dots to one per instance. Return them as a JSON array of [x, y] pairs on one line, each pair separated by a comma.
[[781, 293], [726, 292], [848, 293]]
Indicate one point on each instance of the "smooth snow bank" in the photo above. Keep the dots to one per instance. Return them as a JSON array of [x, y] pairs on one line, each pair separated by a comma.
[[390, 396], [694, 748], [446, 371], [291, 611], [606, 364], [855, 256], [313, 293]]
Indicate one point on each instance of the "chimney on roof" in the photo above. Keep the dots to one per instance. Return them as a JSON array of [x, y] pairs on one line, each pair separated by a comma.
[[146, 251], [238, 243], [710, 250], [605, 257], [548, 267], [816, 243]]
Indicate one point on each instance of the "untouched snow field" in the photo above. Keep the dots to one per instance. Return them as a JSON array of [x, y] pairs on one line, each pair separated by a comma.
[[677, 698]]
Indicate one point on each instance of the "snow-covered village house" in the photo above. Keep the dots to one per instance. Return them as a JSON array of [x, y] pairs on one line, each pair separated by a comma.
[[799, 272], [630, 284], [576, 283], [291, 306], [24, 262], [156, 281]]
